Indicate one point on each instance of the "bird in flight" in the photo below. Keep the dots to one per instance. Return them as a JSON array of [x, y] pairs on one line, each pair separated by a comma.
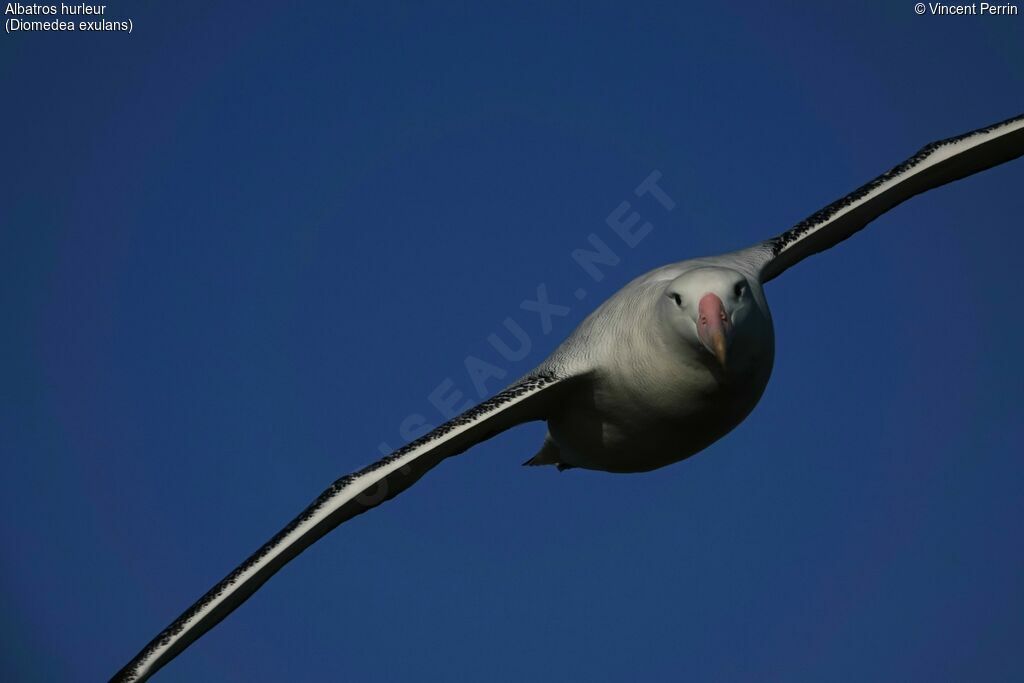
[[665, 367]]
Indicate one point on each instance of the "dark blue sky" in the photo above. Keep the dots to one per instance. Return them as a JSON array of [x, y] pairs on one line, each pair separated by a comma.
[[242, 245]]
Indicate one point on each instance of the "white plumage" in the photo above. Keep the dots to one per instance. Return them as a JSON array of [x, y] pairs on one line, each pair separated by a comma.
[[668, 365]]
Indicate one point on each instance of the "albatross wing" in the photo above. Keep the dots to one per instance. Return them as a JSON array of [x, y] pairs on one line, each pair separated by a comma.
[[344, 499], [933, 166]]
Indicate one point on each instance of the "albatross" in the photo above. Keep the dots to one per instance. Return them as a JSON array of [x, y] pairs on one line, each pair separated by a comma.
[[665, 367]]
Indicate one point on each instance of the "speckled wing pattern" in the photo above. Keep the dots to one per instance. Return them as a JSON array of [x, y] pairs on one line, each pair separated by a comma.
[[934, 165], [344, 499]]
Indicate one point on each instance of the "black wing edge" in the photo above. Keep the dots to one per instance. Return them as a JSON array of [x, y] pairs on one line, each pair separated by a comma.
[[346, 498], [927, 169]]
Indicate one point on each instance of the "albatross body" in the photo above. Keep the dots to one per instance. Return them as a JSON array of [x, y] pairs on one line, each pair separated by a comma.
[[650, 389], [665, 367]]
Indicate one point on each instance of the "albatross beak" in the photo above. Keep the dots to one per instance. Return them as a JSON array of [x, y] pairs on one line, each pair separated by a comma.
[[714, 327]]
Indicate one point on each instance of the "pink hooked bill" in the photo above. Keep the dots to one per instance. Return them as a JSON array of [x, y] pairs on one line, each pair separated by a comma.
[[714, 329]]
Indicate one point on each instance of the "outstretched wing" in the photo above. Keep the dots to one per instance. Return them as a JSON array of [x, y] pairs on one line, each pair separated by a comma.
[[344, 499], [933, 166]]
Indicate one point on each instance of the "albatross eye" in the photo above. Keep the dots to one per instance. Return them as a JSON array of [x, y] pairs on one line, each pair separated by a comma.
[[675, 297], [739, 289]]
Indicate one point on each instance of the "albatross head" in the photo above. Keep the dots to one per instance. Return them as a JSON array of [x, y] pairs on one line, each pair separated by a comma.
[[714, 309]]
